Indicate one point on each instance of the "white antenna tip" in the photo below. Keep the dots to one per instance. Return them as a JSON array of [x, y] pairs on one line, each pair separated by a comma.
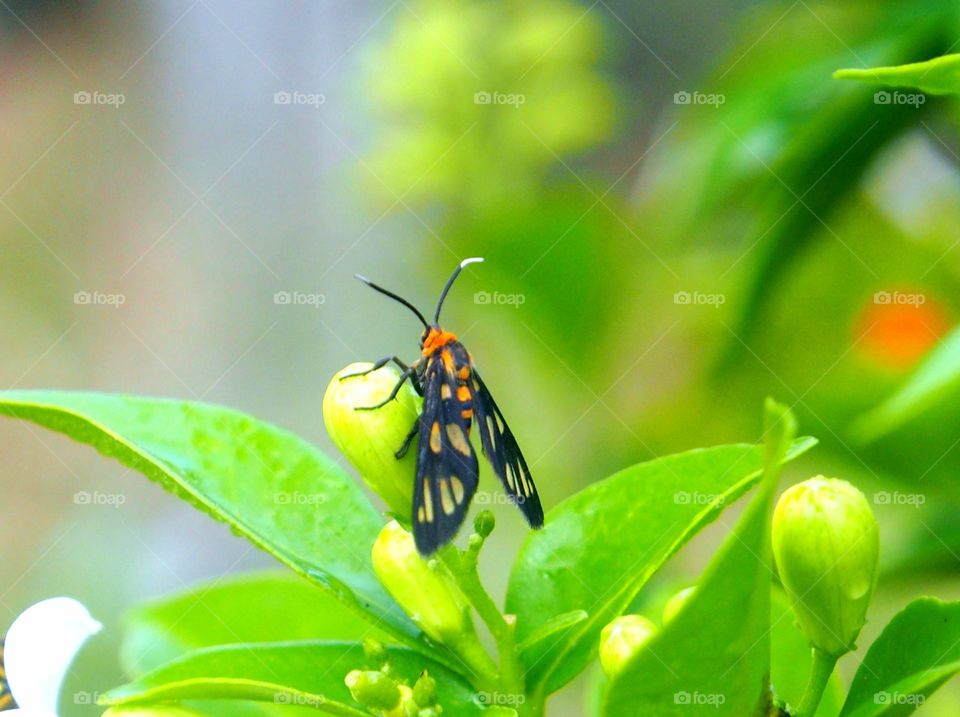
[[471, 260]]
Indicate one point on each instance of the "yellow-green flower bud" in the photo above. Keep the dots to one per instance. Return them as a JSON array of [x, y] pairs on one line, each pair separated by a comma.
[[674, 604], [424, 589], [406, 707], [369, 439], [622, 639], [826, 543], [425, 690], [373, 689]]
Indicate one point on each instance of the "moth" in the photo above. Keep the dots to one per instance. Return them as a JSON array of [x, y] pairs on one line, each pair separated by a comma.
[[454, 397]]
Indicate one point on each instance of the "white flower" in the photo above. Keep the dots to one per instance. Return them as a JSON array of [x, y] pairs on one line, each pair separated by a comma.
[[38, 650]]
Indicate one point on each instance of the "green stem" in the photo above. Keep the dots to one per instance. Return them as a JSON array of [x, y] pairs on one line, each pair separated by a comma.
[[463, 566], [820, 672]]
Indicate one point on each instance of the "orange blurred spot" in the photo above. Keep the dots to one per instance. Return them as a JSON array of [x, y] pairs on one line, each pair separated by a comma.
[[897, 328]]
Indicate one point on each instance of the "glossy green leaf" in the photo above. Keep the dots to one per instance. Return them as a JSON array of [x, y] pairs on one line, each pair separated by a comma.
[[260, 607], [713, 657], [916, 653], [552, 628], [934, 379], [290, 673], [268, 485], [939, 76], [599, 547]]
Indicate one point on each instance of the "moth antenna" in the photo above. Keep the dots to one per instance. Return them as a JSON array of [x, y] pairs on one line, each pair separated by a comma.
[[395, 297], [446, 289]]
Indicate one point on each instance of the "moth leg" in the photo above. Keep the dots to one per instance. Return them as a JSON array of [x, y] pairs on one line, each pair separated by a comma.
[[407, 373], [378, 365], [402, 451]]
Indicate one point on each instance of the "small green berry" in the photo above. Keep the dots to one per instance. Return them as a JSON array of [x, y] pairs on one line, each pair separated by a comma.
[[373, 689]]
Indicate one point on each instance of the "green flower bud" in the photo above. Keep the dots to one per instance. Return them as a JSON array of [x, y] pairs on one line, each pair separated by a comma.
[[674, 604], [425, 691], [373, 689], [484, 523], [375, 652], [622, 639], [369, 439], [407, 707], [423, 589], [826, 543]]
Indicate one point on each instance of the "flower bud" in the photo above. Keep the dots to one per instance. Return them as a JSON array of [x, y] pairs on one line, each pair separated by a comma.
[[622, 639], [373, 689], [484, 523], [423, 589], [425, 690], [826, 543], [674, 604], [369, 439]]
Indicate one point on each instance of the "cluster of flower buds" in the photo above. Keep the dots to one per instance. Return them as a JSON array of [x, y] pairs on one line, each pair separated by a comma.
[[384, 695]]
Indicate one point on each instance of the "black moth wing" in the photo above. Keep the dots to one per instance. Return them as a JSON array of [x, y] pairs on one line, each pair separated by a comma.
[[447, 470], [501, 449]]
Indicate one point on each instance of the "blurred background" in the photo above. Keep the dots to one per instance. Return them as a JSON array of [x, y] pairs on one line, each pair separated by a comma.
[[681, 213]]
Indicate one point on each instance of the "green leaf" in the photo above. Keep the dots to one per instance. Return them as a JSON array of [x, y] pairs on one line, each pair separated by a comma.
[[713, 657], [933, 380], [939, 76], [260, 607], [289, 673], [916, 653], [599, 547], [268, 485], [552, 627]]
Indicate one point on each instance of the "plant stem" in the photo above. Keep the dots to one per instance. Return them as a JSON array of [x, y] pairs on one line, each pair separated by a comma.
[[820, 672], [463, 566]]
